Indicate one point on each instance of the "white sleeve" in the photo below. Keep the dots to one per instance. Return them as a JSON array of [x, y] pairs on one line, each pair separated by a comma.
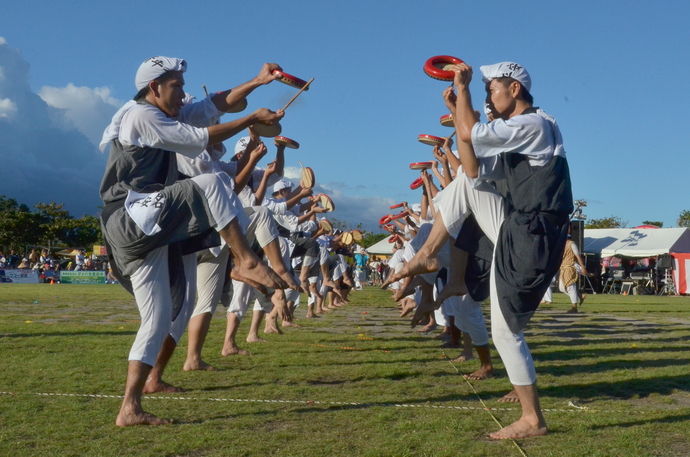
[[147, 126], [228, 167], [498, 136], [576, 250], [200, 114], [275, 206]]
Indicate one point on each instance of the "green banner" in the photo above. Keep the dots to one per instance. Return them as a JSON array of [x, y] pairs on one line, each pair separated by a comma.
[[82, 277]]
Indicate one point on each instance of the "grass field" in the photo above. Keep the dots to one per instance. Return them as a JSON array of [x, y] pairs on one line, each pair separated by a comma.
[[356, 382]]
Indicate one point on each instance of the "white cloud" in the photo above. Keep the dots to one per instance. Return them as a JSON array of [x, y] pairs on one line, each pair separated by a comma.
[[7, 107], [88, 110], [42, 163], [292, 173], [2, 41]]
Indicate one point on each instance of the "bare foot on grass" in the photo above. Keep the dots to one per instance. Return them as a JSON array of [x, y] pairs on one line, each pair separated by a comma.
[[198, 365], [153, 386], [520, 429], [127, 417], [481, 374], [272, 325], [233, 350], [255, 339], [510, 397], [464, 357]]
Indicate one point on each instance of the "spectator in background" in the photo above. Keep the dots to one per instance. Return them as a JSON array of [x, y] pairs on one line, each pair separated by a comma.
[[79, 261], [3, 260], [13, 260]]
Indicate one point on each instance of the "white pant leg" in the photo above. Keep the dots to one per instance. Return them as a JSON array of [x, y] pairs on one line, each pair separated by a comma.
[[548, 295], [179, 325], [210, 272], [571, 291], [511, 347], [215, 188], [261, 228], [242, 295], [151, 287], [469, 318]]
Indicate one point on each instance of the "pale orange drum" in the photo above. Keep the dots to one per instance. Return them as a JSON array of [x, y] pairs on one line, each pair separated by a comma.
[[308, 178], [347, 238], [326, 225], [327, 203], [357, 235], [267, 131]]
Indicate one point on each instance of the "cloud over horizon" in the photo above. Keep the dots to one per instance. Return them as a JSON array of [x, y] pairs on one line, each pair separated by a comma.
[[45, 157]]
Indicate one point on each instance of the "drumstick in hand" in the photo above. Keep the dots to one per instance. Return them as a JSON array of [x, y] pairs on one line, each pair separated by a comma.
[[300, 91]]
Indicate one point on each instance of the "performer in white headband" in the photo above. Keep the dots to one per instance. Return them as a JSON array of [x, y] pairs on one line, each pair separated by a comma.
[[523, 146], [149, 215]]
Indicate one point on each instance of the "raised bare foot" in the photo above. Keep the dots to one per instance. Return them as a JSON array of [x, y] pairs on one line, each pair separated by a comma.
[[255, 339], [233, 350], [409, 290], [259, 274], [127, 417], [510, 397], [408, 307], [452, 289], [520, 429], [238, 277], [153, 386], [419, 264], [464, 357], [481, 373], [197, 365]]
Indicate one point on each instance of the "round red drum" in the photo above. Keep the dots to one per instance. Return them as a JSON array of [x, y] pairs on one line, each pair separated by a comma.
[[416, 184], [447, 121], [431, 140], [399, 216], [437, 67], [399, 205], [290, 80], [385, 219], [393, 239], [292, 144], [421, 165]]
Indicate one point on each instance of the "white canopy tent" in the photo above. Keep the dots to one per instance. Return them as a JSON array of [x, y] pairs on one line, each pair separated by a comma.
[[383, 247], [639, 243]]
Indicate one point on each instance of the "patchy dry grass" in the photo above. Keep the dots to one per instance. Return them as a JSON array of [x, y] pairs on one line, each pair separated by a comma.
[[355, 382]]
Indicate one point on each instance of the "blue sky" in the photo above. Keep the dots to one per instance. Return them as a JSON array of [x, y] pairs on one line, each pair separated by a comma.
[[614, 75]]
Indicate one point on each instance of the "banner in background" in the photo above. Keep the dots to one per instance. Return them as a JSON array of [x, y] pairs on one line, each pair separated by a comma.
[[19, 276], [82, 277]]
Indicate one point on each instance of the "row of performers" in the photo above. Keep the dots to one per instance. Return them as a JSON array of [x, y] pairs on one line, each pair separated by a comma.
[[180, 221]]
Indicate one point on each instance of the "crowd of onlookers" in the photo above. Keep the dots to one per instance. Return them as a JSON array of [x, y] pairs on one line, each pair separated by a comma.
[[49, 266]]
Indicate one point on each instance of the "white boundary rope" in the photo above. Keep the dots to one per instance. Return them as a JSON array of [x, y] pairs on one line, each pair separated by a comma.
[[576, 409]]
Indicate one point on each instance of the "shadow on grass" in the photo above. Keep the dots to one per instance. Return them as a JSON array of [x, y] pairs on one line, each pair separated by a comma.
[[587, 342], [668, 419], [571, 354], [600, 367], [68, 334]]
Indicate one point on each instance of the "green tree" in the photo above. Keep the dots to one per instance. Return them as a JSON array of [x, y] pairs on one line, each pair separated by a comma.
[[371, 239], [656, 223], [684, 218], [85, 232], [18, 225], [56, 223], [606, 222]]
